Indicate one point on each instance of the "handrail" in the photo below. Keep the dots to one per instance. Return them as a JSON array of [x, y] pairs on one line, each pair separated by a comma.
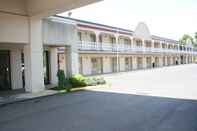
[[113, 47]]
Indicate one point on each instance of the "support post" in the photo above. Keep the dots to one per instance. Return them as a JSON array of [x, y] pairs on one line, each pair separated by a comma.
[[33, 55]]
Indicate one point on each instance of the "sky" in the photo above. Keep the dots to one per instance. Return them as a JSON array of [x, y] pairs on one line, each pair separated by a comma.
[[165, 18]]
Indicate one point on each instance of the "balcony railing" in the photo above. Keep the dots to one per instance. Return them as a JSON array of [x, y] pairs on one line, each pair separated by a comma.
[[112, 47]]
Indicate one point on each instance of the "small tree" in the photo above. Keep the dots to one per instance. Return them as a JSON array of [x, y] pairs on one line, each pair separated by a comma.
[[195, 36], [184, 38], [61, 79]]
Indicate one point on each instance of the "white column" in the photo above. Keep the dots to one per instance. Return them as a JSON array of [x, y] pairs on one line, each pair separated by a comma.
[[153, 44], [97, 36], [143, 45], [16, 72], [71, 51], [134, 62], [54, 65], [144, 62], [72, 61], [117, 53], [33, 54], [98, 39]]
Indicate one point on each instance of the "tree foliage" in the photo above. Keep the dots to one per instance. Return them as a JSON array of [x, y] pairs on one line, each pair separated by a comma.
[[184, 39], [195, 37]]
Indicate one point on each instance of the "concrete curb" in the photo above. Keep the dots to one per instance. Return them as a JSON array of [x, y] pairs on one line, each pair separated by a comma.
[[28, 99]]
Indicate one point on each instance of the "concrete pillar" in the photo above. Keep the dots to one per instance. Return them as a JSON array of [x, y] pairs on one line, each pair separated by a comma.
[[72, 60], [16, 72], [98, 39], [106, 65], [166, 60], [33, 55], [117, 49], [143, 45], [134, 63], [152, 43], [144, 62], [54, 65]]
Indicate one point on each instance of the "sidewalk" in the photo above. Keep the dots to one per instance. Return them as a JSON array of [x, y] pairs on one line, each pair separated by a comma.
[[23, 96]]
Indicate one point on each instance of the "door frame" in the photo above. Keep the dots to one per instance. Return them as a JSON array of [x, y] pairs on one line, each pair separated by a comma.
[[9, 68], [47, 81]]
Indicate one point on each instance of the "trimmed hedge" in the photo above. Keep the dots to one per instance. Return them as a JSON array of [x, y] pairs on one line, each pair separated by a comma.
[[77, 81], [93, 81]]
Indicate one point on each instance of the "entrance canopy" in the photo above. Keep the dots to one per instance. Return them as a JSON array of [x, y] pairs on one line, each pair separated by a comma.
[[43, 8]]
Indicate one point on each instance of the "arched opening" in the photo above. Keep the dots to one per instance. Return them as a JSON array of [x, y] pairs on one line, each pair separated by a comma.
[[124, 43], [137, 42], [85, 35], [108, 41], [148, 44]]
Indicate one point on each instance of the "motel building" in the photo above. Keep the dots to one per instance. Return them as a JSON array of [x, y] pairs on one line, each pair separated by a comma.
[[22, 43], [105, 49], [34, 44]]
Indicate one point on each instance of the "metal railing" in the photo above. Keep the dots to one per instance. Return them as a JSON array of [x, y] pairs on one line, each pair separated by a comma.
[[113, 47]]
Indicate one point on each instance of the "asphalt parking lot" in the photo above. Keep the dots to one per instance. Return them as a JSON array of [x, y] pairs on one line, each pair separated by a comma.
[[163, 99]]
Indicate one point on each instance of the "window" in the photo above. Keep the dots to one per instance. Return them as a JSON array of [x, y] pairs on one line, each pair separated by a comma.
[[92, 38], [126, 41], [138, 43], [113, 40], [148, 44]]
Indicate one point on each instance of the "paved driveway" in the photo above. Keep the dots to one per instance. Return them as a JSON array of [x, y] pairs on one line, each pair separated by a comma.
[[175, 82], [108, 110]]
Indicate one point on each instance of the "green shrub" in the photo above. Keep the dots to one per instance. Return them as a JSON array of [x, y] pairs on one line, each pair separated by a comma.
[[100, 81], [77, 80], [93, 81], [61, 79], [67, 85], [90, 82]]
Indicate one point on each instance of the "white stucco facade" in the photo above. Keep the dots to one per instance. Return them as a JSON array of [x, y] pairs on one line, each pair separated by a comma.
[[34, 44], [134, 50], [23, 33]]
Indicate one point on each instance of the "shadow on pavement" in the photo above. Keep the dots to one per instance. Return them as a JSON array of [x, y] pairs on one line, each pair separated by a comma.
[[100, 111]]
